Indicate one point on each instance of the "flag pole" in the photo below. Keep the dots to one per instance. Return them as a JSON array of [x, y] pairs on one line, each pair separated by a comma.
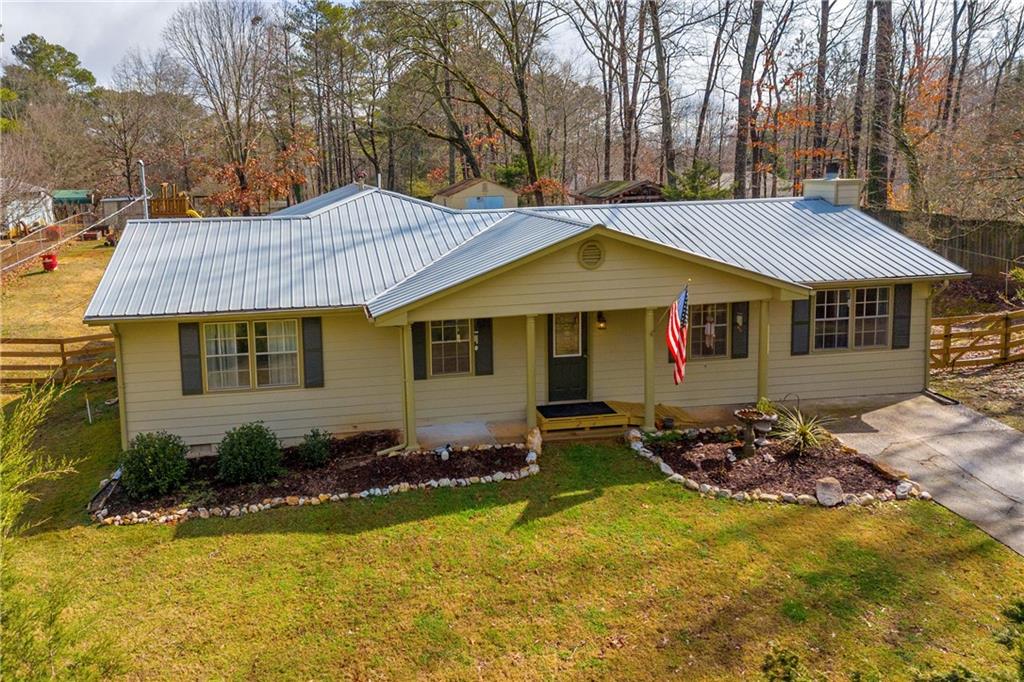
[[688, 280]]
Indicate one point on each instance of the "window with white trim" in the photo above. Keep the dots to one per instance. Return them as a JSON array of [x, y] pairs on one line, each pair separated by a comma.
[[227, 355], [244, 355], [709, 330], [277, 353], [450, 347], [852, 318]]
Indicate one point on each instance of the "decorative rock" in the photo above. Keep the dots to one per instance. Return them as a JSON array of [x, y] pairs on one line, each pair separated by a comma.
[[234, 512], [866, 499], [292, 501], [925, 495], [788, 498], [531, 457], [741, 497], [704, 488], [677, 478], [364, 494], [665, 469], [828, 491], [723, 493], [806, 500], [851, 500], [498, 477], [203, 513], [486, 479], [903, 489], [445, 483], [691, 484], [324, 497], [769, 497], [635, 439], [314, 501], [886, 496], [534, 469], [657, 460]]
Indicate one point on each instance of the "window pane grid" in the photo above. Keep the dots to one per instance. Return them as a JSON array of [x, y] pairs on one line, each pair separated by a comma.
[[871, 321], [277, 353], [450, 347], [832, 319], [227, 356], [709, 329]]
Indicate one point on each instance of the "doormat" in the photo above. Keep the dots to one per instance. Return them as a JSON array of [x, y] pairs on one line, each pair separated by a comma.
[[588, 409]]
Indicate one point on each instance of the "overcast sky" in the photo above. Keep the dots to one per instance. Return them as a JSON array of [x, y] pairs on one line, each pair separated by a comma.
[[98, 31]]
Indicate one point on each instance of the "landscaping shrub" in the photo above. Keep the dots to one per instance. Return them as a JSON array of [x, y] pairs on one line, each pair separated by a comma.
[[315, 448], [800, 431], [765, 406], [154, 464], [248, 454]]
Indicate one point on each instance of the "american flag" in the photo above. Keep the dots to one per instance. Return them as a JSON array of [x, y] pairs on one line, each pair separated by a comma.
[[678, 316]]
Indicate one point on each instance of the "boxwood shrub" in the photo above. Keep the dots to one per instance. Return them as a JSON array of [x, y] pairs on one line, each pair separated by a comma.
[[154, 464], [249, 453], [315, 448]]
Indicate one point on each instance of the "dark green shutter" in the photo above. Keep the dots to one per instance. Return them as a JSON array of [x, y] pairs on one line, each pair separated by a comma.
[[191, 359], [901, 309], [800, 339], [484, 346], [740, 334], [419, 350], [312, 352]]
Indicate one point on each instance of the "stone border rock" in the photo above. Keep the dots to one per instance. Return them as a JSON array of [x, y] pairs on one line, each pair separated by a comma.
[[828, 492], [170, 516]]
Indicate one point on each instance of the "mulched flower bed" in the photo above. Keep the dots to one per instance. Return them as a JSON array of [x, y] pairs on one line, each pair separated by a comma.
[[774, 469], [353, 467]]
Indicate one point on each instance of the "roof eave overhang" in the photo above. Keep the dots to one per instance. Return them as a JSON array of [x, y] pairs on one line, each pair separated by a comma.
[[868, 280], [103, 320]]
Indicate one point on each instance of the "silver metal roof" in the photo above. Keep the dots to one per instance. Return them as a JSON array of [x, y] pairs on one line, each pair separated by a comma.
[[517, 235], [370, 246]]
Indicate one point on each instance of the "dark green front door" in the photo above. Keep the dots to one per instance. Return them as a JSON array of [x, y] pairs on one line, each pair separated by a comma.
[[567, 356]]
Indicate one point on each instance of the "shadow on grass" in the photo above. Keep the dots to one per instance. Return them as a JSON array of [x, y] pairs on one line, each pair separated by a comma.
[[570, 475]]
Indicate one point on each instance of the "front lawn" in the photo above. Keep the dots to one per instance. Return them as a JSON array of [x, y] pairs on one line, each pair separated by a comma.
[[597, 567]]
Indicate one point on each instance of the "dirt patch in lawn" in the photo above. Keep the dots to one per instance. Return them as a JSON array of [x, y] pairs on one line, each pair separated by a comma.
[[775, 468], [996, 391], [349, 470]]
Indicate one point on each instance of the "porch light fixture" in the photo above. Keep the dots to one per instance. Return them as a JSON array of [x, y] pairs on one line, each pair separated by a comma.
[[602, 323]]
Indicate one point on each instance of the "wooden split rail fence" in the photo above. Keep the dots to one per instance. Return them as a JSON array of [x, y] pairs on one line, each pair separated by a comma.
[[33, 361], [977, 340]]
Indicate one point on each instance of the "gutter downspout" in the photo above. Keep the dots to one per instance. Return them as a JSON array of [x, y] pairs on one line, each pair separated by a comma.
[[122, 408], [932, 293], [145, 192]]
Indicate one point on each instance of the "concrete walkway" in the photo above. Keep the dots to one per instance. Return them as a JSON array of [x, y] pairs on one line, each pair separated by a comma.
[[970, 463]]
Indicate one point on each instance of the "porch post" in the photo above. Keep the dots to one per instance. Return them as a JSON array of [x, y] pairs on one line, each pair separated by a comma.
[[531, 371], [409, 391], [762, 349], [649, 369]]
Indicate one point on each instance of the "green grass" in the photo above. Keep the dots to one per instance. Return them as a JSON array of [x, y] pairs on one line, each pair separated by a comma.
[[595, 568]]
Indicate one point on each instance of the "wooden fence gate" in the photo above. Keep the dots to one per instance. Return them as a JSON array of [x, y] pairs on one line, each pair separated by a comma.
[[977, 340]]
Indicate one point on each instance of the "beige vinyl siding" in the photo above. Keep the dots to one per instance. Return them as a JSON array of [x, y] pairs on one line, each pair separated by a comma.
[[630, 277], [498, 396], [617, 366], [362, 377], [846, 373]]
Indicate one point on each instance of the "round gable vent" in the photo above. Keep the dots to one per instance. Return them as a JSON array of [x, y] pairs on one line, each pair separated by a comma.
[[591, 254]]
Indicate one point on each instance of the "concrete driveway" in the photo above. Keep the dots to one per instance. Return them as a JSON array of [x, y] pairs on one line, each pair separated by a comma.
[[970, 463]]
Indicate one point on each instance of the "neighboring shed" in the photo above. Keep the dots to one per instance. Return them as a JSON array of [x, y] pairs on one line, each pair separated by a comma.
[[620, 192], [69, 202], [476, 193], [23, 205]]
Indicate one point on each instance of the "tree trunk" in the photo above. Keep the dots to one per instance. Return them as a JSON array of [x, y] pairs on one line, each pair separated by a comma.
[[713, 68], [878, 161], [818, 157], [858, 98], [743, 112], [668, 148]]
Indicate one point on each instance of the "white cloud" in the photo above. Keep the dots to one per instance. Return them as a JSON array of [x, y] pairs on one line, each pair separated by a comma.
[[98, 31]]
